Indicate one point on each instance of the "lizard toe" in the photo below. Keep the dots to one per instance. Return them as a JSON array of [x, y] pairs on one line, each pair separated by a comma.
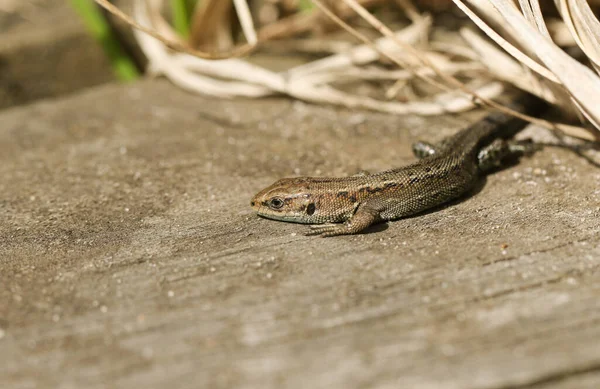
[[325, 230]]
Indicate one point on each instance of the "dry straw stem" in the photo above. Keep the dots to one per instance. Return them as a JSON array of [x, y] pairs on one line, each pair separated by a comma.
[[309, 46], [540, 54], [496, 37], [583, 26], [233, 77], [400, 61], [508, 69], [211, 25], [302, 22], [175, 45], [451, 101], [311, 82], [570, 130]]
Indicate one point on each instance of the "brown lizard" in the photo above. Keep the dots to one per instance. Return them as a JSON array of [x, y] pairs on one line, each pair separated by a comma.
[[444, 172]]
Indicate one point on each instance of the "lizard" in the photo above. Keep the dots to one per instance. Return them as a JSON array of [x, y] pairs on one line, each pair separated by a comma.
[[444, 171]]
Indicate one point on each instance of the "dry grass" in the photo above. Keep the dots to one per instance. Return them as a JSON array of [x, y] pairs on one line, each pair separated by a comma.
[[430, 76]]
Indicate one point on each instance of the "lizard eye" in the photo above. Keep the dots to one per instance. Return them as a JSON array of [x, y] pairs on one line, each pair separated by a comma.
[[275, 203]]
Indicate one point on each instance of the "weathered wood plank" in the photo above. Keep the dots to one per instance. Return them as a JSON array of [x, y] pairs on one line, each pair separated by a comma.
[[129, 256]]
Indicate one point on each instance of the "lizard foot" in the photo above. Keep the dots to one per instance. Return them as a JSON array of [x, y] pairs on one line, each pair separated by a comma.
[[326, 230], [365, 215]]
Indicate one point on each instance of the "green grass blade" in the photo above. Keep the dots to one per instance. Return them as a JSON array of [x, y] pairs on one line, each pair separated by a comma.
[[305, 5], [180, 10], [123, 66]]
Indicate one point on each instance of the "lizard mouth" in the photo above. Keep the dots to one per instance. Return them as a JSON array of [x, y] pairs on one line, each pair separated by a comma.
[[283, 218]]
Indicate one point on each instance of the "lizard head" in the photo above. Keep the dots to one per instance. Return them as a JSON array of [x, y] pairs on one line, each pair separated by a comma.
[[288, 199]]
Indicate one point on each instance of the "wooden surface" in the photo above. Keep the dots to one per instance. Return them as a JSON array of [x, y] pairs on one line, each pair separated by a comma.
[[130, 257]]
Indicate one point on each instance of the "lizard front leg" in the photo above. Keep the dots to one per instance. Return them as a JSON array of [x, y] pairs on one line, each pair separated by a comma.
[[364, 216]]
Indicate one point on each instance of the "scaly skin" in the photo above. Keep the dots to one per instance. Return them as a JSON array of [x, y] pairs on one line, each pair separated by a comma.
[[444, 172]]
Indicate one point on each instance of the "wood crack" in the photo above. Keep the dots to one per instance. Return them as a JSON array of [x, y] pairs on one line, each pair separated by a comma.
[[554, 377], [541, 251]]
